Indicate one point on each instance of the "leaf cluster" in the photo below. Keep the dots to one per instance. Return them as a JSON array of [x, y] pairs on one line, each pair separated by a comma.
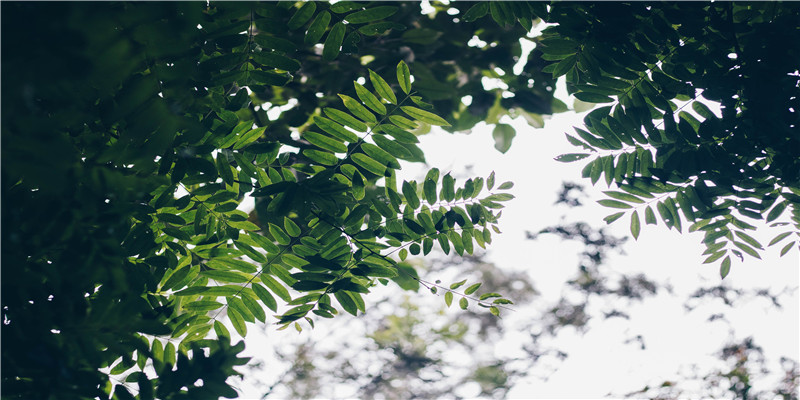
[[654, 63]]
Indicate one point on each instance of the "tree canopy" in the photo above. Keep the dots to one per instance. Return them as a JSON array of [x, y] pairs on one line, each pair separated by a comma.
[[131, 132]]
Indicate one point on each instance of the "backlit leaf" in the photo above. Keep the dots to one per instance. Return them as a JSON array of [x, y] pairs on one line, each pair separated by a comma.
[[382, 87], [404, 77], [635, 224], [369, 99], [424, 116], [357, 109]]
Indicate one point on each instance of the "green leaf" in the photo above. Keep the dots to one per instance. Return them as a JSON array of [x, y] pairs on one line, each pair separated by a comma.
[[221, 331], [275, 60], [613, 204], [448, 188], [276, 287], [357, 109], [342, 118], [237, 321], [503, 135], [265, 296], [429, 189], [338, 131], [747, 249], [458, 284], [369, 164], [370, 14], [317, 28], [275, 43], [249, 138], [472, 288], [203, 305], [410, 193], [321, 157], [613, 217], [623, 196], [786, 248], [279, 235], [403, 122], [250, 252], [424, 116], [635, 225], [725, 267], [301, 16], [369, 99], [380, 28], [254, 308], [291, 228], [774, 240], [479, 10], [308, 286], [715, 256], [490, 295], [463, 303], [171, 218], [270, 78], [559, 46], [404, 77], [324, 142], [448, 298], [333, 43], [592, 97], [748, 239], [399, 134], [345, 6], [565, 158], [225, 276], [346, 302], [382, 87], [220, 197], [380, 155], [391, 147], [565, 66], [776, 211], [650, 216]]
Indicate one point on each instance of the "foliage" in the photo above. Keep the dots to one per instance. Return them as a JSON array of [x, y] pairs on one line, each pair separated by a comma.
[[142, 140], [132, 132], [652, 61]]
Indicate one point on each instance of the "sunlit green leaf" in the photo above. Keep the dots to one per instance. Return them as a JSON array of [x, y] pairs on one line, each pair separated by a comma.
[[369, 99], [635, 224], [404, 77], [357, 109], [382, 87], [424, 116], [725, 267], [472, 288]]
